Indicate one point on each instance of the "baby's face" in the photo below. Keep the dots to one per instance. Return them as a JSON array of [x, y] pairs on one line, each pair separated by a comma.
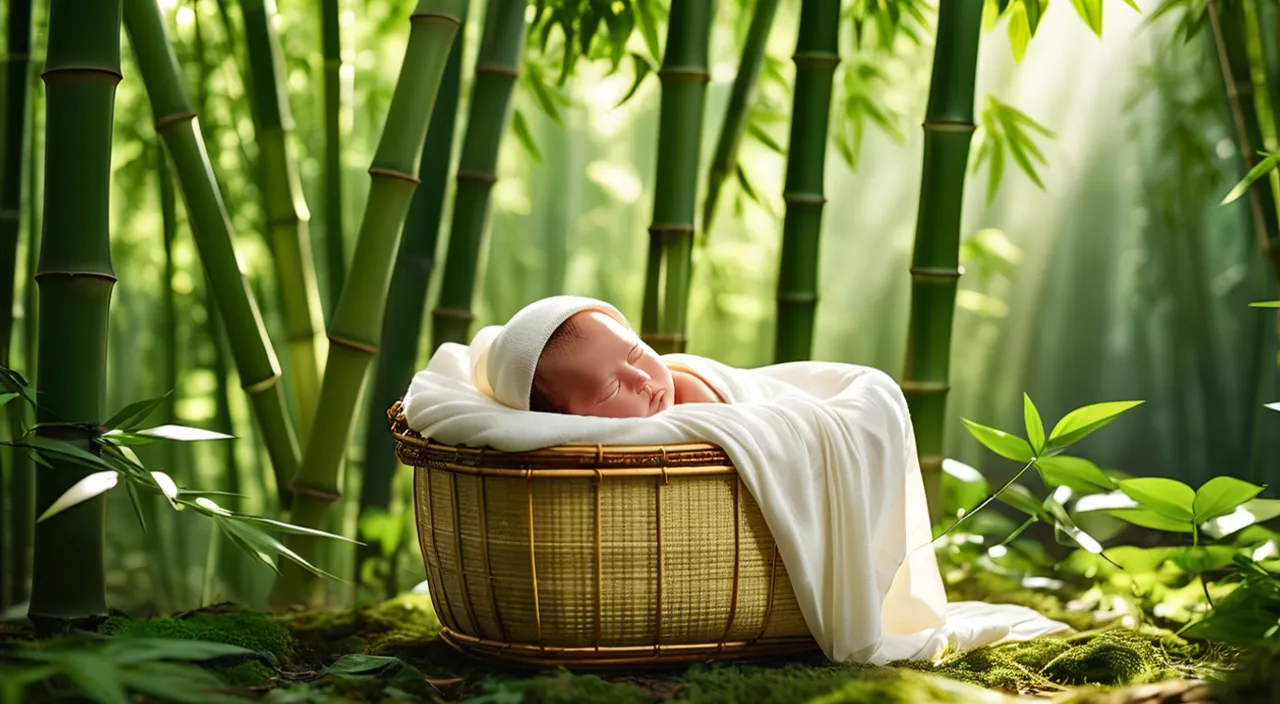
[[607, 371]]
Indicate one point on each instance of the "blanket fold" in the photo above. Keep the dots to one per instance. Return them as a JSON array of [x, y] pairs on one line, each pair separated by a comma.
[[828, 452]]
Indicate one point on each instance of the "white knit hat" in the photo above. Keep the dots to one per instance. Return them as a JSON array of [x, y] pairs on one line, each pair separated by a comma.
[[504, 357]]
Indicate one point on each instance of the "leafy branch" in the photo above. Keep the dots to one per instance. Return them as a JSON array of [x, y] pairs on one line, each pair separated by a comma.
[[107, 449], [1004, 129]]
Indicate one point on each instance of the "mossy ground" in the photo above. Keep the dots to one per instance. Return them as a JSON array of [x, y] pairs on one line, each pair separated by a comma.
[[390, 651]]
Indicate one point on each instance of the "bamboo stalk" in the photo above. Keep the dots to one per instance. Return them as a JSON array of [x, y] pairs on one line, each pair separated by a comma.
[[356, 331], [935, 267], [177, 125], [497, 67], [335, 251], [285, 206], [817, 55], [738, 109], [22, 488], [407, 295], [82, 69], [11, 181], [684, 80]]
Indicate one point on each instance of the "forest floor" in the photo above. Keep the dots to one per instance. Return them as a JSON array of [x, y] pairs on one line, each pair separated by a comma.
[[391, 651]]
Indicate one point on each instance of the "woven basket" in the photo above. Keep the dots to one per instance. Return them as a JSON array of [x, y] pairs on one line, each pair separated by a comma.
[[598, 556]]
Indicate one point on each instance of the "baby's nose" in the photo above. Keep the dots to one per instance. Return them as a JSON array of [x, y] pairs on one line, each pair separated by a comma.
[[641, 378]]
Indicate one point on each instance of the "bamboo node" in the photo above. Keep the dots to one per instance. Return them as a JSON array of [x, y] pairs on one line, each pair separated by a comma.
[[690, 73], [393, 174], [498, 70], [477, 176], [930, 462], [112, 72], [424, 16], [949, 126], [671, 229], [330, 495], [936, 273], [798, 296], [167, 120], [818, 59], [652, 337], [791, 197], [76, 274], [924, 388], [352, 344], [454, 313], [254, 387]]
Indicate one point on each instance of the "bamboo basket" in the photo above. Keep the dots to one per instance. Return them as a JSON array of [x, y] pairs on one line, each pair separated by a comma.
[[598, 556]]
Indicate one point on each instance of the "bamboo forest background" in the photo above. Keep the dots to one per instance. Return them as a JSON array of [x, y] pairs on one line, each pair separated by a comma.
[[1121, 277]]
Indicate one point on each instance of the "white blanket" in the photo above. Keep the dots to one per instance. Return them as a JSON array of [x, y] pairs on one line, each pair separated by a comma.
[[827, 451]]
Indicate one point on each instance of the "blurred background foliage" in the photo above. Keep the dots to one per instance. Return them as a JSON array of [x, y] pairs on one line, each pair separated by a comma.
[[1116, 276]]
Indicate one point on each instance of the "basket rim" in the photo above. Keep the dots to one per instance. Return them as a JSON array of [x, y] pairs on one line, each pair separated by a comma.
[[623, 656], [705, 456]]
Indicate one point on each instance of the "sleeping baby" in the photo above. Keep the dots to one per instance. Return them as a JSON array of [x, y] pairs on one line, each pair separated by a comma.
[[578, 356]]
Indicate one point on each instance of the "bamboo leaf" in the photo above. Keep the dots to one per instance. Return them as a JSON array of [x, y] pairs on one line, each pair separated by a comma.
[[182, 683], [1168, 497], [66, 451], [291, 528], [1083, 421], [6, 398], [1262, 168], [132, 415], [181, 433], [1063, 523], [764, 138], [83, 490], [95, 677], [1035, 426], [1076, 473], [648, 26], [996, 172], [1265, 304], [521, 128], [136, 502], [252, 550], [745, 183], [1019, 31], [1273, 406], [167, 486], [1002, 443], [134, 650], [642, 69], [1091, 12], [1222, 495], [263, 542], [1035, 12]]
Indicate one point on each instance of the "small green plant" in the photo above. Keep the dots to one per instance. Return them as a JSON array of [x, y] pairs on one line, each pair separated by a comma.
[[1060, 473], [110, 671]]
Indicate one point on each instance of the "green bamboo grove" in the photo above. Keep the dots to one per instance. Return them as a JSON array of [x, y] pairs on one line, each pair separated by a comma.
[[286, 209], [178, 126], [407, 298], [75, 279], [684, 79], [935, 265], [13, 552], [498, 61], [816, 58], [355, 334]]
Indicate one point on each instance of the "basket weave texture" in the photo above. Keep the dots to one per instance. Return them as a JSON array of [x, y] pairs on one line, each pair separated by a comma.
[[599, 555]]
